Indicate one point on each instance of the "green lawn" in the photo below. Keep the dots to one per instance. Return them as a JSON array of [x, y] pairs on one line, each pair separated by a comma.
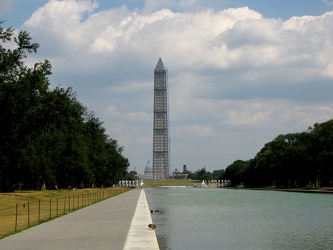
[[22, 209]]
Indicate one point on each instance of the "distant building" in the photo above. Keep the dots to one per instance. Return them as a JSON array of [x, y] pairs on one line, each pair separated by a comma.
[[180, 176], [161, 122], [148, 173]]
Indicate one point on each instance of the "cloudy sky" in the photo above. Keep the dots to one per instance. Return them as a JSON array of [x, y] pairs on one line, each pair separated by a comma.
[[241, 72]]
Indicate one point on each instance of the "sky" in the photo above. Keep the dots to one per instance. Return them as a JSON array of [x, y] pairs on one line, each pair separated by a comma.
[[240, 72]]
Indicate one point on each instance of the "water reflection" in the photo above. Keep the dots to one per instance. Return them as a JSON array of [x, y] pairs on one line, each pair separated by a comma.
[[189, 218], [160, 216]]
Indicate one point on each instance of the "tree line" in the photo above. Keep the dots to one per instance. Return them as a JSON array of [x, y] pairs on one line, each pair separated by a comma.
[[47, 137], [201, 174], [290, 160]]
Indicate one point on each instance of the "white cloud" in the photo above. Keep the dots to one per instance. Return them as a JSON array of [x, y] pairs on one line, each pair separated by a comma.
[[236, 79], [328, 2], [152, 5]]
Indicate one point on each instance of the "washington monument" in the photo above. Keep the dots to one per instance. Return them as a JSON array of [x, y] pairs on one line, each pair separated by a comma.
[[161, 123]]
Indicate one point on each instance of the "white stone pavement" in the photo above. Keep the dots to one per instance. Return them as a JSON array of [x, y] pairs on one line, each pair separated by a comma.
[[139, 235]]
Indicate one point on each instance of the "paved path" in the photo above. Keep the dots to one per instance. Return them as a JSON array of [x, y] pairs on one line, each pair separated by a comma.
[[104, 225]]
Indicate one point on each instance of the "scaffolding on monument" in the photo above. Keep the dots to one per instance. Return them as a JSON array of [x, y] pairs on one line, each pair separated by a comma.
[[161, 141]]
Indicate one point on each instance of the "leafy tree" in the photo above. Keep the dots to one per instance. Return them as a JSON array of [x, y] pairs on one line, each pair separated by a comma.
[[217, 174], [234, 172], [20, 96], [202, 174], [191, 175], [48, 137], [117, 164], [131, 176], [97, 153], [325, 168], [294, 159], [208, 176]]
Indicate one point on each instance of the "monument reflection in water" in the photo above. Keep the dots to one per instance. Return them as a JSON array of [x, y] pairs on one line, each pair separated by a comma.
[[200, 218]]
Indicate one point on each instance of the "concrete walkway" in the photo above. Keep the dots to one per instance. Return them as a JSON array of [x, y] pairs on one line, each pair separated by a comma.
[[104, 225]]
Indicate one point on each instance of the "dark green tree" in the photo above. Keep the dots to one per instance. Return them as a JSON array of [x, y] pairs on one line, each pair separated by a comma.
[[202, 174], [20, 97], [47, 136], [291, 160], [235, 172], [217, 174]]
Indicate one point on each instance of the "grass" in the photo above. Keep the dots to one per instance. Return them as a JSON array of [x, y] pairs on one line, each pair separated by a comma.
[[159, 183], [22, 209]]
